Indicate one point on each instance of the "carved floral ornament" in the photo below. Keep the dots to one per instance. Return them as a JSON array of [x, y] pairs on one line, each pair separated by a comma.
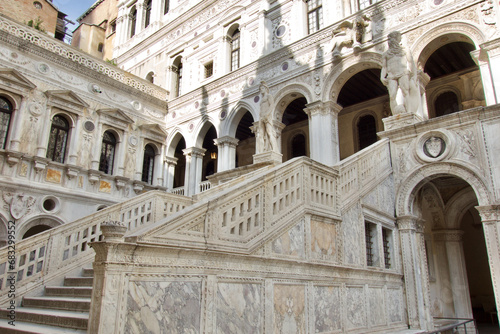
[[434, 145]]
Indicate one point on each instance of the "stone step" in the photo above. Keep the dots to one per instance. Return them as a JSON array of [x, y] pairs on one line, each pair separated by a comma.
[[88, 272], [78, 281], [58, 303], [67, 319], [68, 291], [29, 328]]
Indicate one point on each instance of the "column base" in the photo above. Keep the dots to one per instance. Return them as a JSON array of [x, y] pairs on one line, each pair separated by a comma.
[[401, 120], [269, 157]]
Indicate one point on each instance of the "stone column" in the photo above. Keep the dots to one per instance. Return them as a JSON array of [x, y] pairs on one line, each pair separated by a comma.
[[194, 164], [443, 279], [120, 155], [415, 272], [139, 23], [74, 141], [490, 216], [139, 160], [226, 147], [224, 55], [158, 168], [471, 97], [457, 272], [96, 154], [323, 131], [492, 49], [423, 79], [170, 164], [41, 150], [481, 59], [16, 125]]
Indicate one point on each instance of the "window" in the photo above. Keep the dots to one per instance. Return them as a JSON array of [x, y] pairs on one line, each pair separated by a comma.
[[37, 5], [314, 15], [209, 69], [100, 47], [298, 146], [5, 116], [365, 3], [58, 139], [446, 103], [148, 164], [386, 240], [133, 19], [166, 7], [150, 77], [370, 238], [178, 80], [107, 153], [147, 16], [235, 50], [112, 26], [367, 131]]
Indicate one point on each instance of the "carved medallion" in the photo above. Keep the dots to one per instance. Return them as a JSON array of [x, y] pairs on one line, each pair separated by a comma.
[[434, 147], [19, 204]]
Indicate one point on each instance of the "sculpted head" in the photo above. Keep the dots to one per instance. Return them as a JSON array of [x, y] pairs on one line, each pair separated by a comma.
[[394, 38]]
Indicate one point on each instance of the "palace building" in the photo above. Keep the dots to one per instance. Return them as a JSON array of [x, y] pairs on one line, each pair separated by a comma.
[[253, 166]]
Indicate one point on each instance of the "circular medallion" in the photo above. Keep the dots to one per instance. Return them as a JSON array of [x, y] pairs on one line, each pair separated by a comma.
[[43, 68], [222, 115], [284, 66], [132, 140], [256, 99], [280, 32], [222, 93], [89, 126]]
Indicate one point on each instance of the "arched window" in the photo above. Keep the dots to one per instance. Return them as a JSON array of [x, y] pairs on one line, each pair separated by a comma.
[[298, 146], [314, 15], [178, 80], [58, 139], [367, 131], [150, 77], [5, 116], [166, 7], [147, 16], [107, 153], [235, 50], [148, 164], [446, 103], [133, 20]]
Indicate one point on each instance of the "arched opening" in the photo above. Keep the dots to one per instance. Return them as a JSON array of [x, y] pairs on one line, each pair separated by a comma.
[[180, 167], [150, 77], [452, 68], [147, 12], [35, 230], [298, 146], [235, 49], [295, 121], [363, 90], [246, 144], [211, 154], [132, 21], [108, 149], [177, 77], [37, 226], [459, 276], [58, 138]]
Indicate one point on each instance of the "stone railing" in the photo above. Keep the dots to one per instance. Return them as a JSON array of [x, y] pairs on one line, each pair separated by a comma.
[[362, 170], [241, 216], [38, 259], [66, 51]]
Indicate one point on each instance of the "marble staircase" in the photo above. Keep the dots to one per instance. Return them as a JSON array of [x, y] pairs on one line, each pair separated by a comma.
[[62, 309]]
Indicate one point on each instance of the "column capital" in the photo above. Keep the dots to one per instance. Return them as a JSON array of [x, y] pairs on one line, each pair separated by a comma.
[[322, 108], [489, 213], [448, 235], [410, 223], [226, 140], [194, 152], [491, 47], [171, 161]]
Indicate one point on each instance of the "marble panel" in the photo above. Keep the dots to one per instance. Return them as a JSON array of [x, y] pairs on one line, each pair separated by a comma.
[[239, 308], [163, 307], [356, 308], [351, 221], [395, 305], [377, 306], [323, 241], [104, 187], [292, 242], [327, 309], [53, 175], [289, 309], [24, 169]]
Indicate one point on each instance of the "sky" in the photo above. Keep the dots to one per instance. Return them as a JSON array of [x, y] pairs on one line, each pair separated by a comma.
[[73, 8]]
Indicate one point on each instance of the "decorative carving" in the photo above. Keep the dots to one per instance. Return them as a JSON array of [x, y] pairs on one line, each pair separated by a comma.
[[19, 204], [266, 133], [349, 34]]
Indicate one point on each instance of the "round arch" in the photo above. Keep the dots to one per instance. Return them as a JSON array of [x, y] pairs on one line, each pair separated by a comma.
[[175, 136], [287, 95], [345, 70], [415, 180], [67, 116], [47, 220], [230, 124], [460, 203], [428, 42]]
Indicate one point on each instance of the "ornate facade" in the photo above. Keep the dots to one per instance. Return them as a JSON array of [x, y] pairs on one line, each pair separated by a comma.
[[299, 166]]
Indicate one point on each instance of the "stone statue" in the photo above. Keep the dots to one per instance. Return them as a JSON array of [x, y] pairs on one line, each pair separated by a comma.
[[267, 133], [349, 34], [399, 74]]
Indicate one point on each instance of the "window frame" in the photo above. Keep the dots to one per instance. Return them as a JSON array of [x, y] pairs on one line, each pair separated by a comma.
[[315, 12], [4, 138], [54, 139], [107, 166], [235, 51], [148, 162]]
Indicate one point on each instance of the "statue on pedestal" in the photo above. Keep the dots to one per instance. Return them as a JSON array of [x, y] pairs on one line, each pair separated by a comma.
[[267, 134], [399, 74]]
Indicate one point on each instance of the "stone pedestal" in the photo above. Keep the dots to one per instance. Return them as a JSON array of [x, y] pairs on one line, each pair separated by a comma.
[[272, 157], [401, 120]]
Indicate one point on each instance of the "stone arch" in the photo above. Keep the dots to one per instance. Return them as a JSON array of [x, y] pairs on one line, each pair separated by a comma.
[[459, 205], [3, 230], [287, 95], [415, 180], [345, 70], [47, 220], [172, 141], [424, 46], [201, 130], [230, 124]]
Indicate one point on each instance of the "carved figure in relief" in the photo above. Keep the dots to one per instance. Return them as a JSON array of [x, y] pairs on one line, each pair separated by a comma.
[[267, 133], [349, 34], [399, 74]]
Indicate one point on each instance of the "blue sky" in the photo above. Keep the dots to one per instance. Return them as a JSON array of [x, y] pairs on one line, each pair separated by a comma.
[[73, 8]]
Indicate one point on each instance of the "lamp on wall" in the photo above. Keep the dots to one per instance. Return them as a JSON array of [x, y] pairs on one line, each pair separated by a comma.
[[213, 155]]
